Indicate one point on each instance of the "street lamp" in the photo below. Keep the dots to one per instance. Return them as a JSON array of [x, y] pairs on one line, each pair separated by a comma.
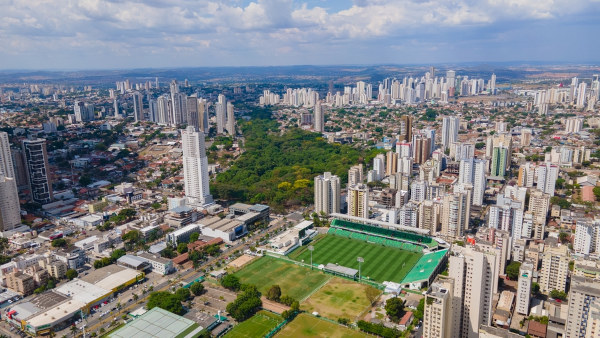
[[311, 249], [360, 260]]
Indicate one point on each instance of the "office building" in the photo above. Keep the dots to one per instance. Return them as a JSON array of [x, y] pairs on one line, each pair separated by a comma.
[[555, 268], [195, 167], [539, 204], [584, 296], [455, 215], [36, 161], [524, 288], [450, 127], [358, 201], [438, 312], [319, 117], [327, 194], [10, 210], [475, 278]]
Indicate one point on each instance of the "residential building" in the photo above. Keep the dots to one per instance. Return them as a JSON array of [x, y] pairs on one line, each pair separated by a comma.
[[583, 299], [524, 288], [546, 174], [355, 175], [555, 268], [500, 161], [20, 282], [36, 161], [539, 204], [358, 201], [10, 209], [450, 127], [195, 167], [438, 312], [455, 215], [327, 194]]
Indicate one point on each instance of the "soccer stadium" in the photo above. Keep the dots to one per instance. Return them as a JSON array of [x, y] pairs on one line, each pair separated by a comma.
[[409, 259]]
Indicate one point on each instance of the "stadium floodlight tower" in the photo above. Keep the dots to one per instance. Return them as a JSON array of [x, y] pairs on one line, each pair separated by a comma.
[[311, 249], [360, 260]]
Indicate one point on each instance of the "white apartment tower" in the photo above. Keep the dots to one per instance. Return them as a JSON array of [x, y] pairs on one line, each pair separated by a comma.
[[455, 215], [524, 288], [195, 167], [475, 275], [6, 163], [555, 268], [327, 194], [10, 210], [355, 175], [221, 108], [230, 119], [584, 297], [438, 312], [450, 126], [472, 171], [547, 174], [319, 118]]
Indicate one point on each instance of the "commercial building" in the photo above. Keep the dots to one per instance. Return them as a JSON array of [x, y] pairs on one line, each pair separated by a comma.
[[36, 162], [182, 235], [158, 323], [133, 262], [158, 264], [555, 268], [227, 229]]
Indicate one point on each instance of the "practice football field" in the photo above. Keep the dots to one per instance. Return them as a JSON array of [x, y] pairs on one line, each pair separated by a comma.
[[257, 326], [381, 263]]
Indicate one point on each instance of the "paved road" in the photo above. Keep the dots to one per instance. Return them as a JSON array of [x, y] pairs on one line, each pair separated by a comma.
[[95, 323]]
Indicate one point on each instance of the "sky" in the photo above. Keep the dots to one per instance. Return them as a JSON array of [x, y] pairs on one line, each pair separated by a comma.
[[118, 34]]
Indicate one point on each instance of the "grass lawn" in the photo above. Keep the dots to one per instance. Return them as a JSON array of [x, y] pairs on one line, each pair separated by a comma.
[[295, 281], [305, 325], [339, 298], [381, 264], [257, 326]]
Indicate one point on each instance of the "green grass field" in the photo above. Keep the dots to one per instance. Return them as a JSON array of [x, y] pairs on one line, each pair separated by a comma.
[[295, 281], [258, 326], [381, 263], [305, 325], [340, 298]]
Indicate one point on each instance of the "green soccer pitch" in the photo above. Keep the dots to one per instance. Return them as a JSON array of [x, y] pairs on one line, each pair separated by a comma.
[[381, 263]]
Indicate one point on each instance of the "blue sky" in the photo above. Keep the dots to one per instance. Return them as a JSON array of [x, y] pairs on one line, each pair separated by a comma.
[[100, 34]]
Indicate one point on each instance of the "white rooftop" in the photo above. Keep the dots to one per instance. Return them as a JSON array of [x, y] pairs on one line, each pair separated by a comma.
[[83, 291]]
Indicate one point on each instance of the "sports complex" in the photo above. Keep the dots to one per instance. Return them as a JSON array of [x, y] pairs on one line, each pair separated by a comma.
[[410, 259]]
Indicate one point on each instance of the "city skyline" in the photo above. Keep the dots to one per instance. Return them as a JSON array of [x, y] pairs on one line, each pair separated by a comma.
[[110, 35]]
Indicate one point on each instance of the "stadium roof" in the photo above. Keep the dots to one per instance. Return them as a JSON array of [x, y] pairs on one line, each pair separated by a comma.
[[158, 323], [424, 267], [341, 269], [380, 223]]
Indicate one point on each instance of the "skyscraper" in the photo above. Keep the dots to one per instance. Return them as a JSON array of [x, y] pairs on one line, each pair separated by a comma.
[[547, 174], [391, 166], [327, 194], [475, 278], [230, 119], [450, 126], [379, 166], [36, 160], [195, 167], [10, 210], [138, 107], [6, 163], [438, 312], [492, 88], [192, 114], [221, 112], [539, 204], [472, 171], [405, 132], [319, 118], [422, 148], [358, 201]]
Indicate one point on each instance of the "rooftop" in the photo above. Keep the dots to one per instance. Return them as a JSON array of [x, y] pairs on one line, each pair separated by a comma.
[[158, 323], [424, 267]]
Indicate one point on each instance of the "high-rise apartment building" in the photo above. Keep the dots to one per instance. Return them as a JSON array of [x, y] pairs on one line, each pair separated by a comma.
[[327, 194], [438, 312], [539, 204], [358, 201], [319, 117], [524, 288], [10, 210], [221, 111], [450, 126], [36, 161], [230, 119], [138, 107], [355, 175], [455, 215], [6, 163], [421, 148], [546, 173], [500, 158], [192, 114], [195, 167], [391, 160], [472, 171], [584, 297], [379, 166], [475, 278], [429, 216], [555, 268], [405, 132]]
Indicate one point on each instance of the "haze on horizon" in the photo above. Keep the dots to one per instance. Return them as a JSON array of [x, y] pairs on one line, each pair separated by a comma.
[[107, 34]]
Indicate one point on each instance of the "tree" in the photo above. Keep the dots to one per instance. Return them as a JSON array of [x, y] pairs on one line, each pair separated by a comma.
[[194, 237], [274, 293], [197, 288], [231, 282], [182, 248], [558, 294], [372, 294], [59, 242], [512, 270], [183, 294], [135, 297], [132, 236], [560, 183], [563, 237], [535, 288], [155, 205], [71, 273], [246, 304], [73, 329], [420, 309], [596, 191], [166, 301], [394, 308]]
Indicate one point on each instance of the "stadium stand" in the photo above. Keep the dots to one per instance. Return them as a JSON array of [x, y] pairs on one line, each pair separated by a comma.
[[369, 231]]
